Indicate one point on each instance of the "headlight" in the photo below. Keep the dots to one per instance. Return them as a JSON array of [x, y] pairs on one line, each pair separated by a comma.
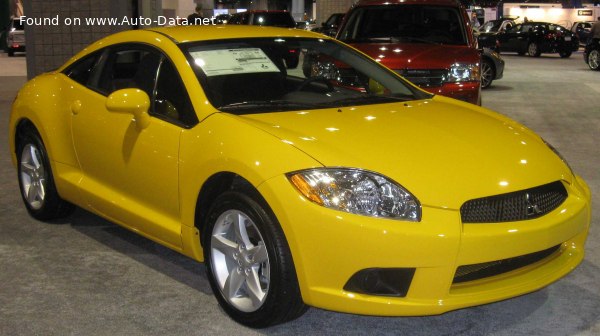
[[559, 155], [358, 192], [460, 72]]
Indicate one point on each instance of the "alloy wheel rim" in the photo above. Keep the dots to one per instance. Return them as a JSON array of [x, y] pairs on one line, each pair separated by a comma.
[[532, 49], [239, 261], [33, 180], [594, 59], [486, 74]]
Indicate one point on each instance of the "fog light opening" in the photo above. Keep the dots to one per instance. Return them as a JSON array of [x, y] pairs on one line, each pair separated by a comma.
[[381, 281]]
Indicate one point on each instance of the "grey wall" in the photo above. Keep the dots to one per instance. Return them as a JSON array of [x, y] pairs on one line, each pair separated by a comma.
[[327, 7], [49, 46]]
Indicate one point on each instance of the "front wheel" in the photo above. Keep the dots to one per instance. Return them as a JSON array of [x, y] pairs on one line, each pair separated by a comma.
[[248, 262], [36, 181], [487, 73], [534, 50], [594, 60]]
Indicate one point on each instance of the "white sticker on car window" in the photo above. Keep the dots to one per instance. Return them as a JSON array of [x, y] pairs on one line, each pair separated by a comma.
[[233, 61]]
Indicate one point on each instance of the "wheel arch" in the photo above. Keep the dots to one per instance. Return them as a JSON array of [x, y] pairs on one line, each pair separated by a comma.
[[217, 184], [22, 126]]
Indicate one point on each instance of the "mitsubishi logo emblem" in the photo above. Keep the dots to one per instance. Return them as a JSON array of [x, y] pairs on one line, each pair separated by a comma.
[[532, 208]]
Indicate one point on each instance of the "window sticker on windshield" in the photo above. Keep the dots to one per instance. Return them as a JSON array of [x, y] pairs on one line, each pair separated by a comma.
[[233, 61]]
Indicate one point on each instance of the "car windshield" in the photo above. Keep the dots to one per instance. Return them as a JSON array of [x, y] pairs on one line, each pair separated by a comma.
[[491, 26], [276, 19], [405, 23], [282, 74]]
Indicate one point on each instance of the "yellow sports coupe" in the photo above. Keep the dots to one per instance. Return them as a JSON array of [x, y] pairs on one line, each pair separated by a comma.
[[300, 171]]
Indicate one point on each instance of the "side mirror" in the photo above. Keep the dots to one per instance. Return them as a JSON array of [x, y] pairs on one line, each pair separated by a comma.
[[131, 101]]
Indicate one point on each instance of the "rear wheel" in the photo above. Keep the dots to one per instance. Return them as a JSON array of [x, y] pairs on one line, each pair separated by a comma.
[[594, 59], [36, 181], [248, 262], [533, 50], [487, 73], [11, 52]]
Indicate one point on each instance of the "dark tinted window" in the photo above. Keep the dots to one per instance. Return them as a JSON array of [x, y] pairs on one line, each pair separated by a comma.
[[17, 24], [171, 99], [405, 23], [334, 20], [130, 68], [81, 71]]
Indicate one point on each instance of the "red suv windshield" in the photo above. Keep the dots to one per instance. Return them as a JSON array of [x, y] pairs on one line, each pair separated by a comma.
[[405, 23]]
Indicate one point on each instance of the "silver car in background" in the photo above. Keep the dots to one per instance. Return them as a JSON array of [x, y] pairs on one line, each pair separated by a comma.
[[15, 37]]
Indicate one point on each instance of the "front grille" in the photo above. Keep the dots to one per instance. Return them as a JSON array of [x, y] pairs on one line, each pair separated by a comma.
[[514, 206], [484, 270], [424, 77]]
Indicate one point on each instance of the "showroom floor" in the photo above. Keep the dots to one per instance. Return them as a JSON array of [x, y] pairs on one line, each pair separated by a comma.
[[86, 276]]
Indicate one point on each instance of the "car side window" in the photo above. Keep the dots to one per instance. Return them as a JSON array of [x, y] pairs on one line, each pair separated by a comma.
[[171, 100], [130, 68], [81, 71]]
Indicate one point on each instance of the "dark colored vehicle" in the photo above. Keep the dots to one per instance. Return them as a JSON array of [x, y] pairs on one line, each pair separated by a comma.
[[591, 55], [487, 34], [492, 67], [583, 30], [306, 25], [274, 18], [535, 38], [15, 37], [222, 18], [429, 43], [263, 18], [331, 25]]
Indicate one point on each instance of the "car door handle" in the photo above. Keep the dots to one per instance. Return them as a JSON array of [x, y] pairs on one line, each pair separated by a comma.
[[76, 107]]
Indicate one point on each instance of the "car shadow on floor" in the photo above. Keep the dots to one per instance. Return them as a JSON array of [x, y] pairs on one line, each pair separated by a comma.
[[495, 87], [162, 259]]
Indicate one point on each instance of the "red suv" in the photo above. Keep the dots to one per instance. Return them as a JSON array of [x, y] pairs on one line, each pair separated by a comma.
[[429, 43]]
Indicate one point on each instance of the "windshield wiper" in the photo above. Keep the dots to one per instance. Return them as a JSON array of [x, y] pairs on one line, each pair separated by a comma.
[[267, 104], [370, 97], [392, 39], [417, 39]]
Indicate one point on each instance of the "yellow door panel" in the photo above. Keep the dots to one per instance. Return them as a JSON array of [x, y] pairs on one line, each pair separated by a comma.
[[129, 174]]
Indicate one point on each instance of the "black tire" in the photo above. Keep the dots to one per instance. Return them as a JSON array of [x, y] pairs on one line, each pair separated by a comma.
[[565, 53], [281, 300], [11, 52], [533, 49], [35, 176], [488, 73]]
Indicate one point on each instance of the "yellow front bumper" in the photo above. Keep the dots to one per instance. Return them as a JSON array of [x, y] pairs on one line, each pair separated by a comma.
[[329, 247]]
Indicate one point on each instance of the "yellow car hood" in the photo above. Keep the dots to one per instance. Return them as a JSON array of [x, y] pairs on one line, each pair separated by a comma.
[[444, 152]]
